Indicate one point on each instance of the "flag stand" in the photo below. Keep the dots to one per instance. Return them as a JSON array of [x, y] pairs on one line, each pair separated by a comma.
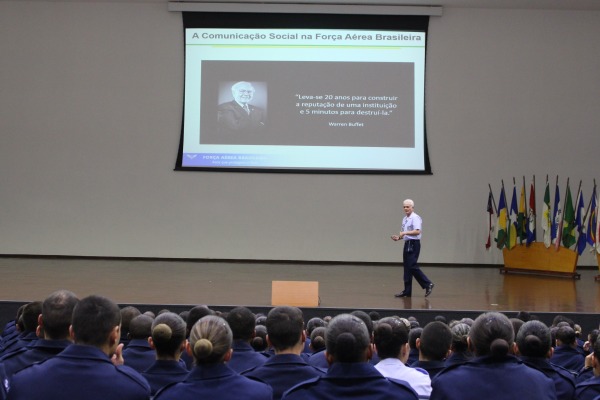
[[538, 260]]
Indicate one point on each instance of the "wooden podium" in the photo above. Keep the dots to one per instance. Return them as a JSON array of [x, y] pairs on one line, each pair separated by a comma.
[[537, 259], [295, 293]]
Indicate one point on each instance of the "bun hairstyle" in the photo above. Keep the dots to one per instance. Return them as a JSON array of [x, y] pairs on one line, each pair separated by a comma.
[[347, 339], [492, 334], [168, 332], [210, 339], [534, 339], [317, 339]]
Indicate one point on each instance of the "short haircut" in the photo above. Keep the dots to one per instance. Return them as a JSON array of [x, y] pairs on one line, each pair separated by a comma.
[[596, 350], [389, 337], [210, 339], [127, 314], [195, 314], [30, 315], [492, 334], [94, 318], [534, 339], [57, 312], [566, 335], [168, 333], [284, 327], [365, 318], [413, 335], [409, 202], [314, 323], [242, 323], [140, 327], [347, 338], [436, 340]]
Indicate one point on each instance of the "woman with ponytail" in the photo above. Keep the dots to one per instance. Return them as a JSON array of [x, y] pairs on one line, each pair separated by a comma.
[[494, 373], [350, 375], [210, 345], [168, 340]]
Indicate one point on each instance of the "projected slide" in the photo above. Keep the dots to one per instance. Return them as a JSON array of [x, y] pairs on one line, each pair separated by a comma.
[[304, 99]]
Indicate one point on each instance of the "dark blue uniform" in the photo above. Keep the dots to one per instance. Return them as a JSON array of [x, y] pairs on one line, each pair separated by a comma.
[[139, 355], [351, 381], [319, 360], [588, 390], [283, 371], [458, 358], [41, 350], [79, 372], [564, 381], [432, 367], [164, 372], [568, 357], [244, 357], [22, 340], [215, 382], [492, 379]]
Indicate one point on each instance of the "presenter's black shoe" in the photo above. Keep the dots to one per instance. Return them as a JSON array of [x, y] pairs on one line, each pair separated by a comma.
[[429, 290], [402, 294]]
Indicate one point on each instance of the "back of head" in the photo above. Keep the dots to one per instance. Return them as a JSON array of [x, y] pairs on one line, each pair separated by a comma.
[[168, 333], [460, 333], [436, 340], [517, 324], [596, 350], [317, 339], [366, 319], [534, 339], [374, 315], [492, 334], [57, 311], [259, 342], [242, 322], [313, 323], [127, 314], [389, 336], [30, 315], [566, 335], [94, 318], [413, 335], [347, 339], [284, 327], [140, 327], [210, 340], [195, 314], [524, 316], [561, 318]]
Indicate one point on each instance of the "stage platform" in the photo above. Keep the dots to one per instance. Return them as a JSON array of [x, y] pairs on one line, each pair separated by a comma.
[[178, 285]]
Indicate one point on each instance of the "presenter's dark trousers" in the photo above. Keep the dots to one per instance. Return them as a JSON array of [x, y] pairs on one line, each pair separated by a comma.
[[410, 256]]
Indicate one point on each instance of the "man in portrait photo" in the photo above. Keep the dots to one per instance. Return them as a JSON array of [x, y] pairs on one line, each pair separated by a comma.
[[239, 117]]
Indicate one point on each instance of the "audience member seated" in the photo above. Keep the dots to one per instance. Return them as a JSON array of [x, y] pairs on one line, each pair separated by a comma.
[[459, 349], [127, 314], [84, 369], [28, 334], [413, 335], [434, 347], [193, 316], [590, 388], [317, 339], [285, 333], [311, 325], [53, 329], [391, 342], [587, 371], [350, 374], [138, 354], [168, 340], [534, 348], [241, 320], [566, 353], [259, 343], [494, 374], [210, 345]]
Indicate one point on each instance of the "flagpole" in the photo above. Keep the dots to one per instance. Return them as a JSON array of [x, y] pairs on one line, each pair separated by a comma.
[[493, 200], [525, 221], [559, 228]]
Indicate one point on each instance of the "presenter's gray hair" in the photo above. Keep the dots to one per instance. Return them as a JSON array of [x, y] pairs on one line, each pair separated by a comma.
[[410, 202]]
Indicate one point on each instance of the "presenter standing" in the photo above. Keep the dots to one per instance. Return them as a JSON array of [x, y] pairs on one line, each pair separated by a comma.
[[411, 233]]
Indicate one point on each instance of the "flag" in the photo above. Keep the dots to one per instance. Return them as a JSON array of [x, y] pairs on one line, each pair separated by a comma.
[[522, 217], [513, 227], [531, 231], [580, 224], [502, 231], [592, 222], [556, 218], [568, 221], [546, 218], [491, 220]]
